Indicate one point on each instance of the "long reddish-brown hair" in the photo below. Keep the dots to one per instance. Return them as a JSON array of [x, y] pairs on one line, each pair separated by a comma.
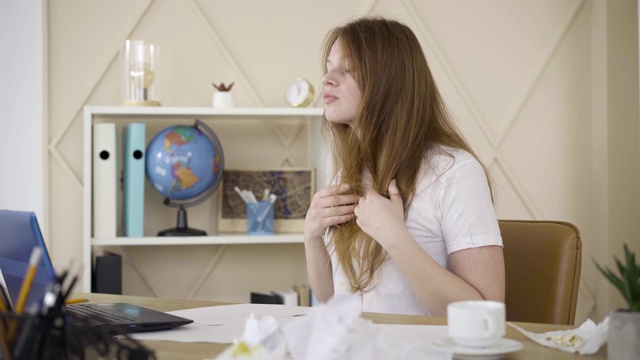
[[402, 116]]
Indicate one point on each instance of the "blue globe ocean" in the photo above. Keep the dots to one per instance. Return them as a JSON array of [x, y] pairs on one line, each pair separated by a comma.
[[183, 162]]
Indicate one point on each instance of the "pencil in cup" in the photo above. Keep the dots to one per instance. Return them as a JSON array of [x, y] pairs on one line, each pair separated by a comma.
[[76, 301], [25, 289], [36, 255], [260, 218]]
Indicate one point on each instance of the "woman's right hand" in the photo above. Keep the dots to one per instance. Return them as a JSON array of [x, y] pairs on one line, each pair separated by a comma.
[[330, 206]]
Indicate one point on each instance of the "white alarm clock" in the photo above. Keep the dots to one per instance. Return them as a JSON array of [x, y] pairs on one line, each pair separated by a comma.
[[300, 93]]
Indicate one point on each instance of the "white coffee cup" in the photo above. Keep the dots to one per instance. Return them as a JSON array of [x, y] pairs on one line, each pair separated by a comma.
[[476, 323]]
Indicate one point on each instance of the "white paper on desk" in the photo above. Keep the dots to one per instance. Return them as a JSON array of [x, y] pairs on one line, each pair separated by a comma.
[[420, 335], [220, 324], [238, 313], [414, 341], [222, 334], [194, 333]]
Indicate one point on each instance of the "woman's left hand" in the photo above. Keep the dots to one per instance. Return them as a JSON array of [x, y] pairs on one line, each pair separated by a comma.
[[379, 217]]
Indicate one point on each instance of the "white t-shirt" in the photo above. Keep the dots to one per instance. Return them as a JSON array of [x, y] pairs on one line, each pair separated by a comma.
[[451, 210]]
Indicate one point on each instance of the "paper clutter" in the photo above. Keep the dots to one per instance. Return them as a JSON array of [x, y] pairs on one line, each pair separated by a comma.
[[334, 330], [585, 340]]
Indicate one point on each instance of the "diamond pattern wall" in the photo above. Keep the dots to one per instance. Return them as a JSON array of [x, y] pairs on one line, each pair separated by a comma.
[[514, 74]]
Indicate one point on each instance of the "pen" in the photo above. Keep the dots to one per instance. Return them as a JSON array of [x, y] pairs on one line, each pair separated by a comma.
[[36, 254], [65, 292], [250, 196], [266, 207], [76, 301], [242, 195], [52, 295]]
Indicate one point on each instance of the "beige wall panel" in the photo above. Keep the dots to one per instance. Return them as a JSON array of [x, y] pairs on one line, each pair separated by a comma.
[[66, 146], [109, 89], [622, 95], [83, 38], [190, 58], [548, 144], [493, 45], [161, 267], [65, 212], [272, 267], [220, 273], [274, 42], [508, 196], [517, 76]]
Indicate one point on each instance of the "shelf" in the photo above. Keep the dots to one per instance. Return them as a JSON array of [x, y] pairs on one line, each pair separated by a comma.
[[201, 111], [221, 239], [150, 114]]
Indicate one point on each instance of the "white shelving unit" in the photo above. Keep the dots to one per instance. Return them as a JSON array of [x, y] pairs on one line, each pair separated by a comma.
[[125, 115]]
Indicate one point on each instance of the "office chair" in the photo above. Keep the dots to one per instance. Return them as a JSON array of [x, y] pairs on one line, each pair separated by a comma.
[[542, 266]]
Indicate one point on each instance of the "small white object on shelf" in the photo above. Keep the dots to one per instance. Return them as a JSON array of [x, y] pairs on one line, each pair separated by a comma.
[[223, 99]]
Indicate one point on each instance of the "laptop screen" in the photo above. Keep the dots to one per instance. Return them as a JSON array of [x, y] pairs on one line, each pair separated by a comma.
[[19, 234]]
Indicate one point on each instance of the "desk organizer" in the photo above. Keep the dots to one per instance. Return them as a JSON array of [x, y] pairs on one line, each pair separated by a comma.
[[34, 336]]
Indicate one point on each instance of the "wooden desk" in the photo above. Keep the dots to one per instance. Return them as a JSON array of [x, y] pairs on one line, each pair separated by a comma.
[[167, 350]]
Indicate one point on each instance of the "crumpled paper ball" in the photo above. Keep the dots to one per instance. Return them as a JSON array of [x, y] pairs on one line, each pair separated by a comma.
[[334, 331], [331, 331], [261, 340]]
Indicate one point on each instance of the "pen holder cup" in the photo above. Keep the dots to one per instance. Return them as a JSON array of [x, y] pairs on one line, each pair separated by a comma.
[[27, 336], [54, 337], [260, 218]]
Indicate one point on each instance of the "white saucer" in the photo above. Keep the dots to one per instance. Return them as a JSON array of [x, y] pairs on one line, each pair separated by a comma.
[[504, 346]]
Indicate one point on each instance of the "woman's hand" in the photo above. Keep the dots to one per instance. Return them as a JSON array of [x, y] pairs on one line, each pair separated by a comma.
[[381, 218], [330, 206]]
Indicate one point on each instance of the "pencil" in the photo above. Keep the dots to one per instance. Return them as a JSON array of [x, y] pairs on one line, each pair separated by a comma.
[[5, 305], [76, 301], [6, 354], [4, 295], [36, 254]]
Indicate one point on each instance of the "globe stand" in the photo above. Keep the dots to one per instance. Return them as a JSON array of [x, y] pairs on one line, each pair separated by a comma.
[[182, 229]]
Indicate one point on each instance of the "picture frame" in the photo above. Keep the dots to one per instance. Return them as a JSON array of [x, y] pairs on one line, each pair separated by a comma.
[[294, 188]]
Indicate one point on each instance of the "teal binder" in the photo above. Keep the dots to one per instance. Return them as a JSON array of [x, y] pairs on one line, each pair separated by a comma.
[[133, 179]]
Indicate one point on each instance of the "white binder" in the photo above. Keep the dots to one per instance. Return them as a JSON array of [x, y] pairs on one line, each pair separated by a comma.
[[105, 180]]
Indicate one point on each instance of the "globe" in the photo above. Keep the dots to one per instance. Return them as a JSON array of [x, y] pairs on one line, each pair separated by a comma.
[[185, 165]]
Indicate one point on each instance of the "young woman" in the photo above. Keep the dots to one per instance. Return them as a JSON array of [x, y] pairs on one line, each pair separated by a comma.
[[409, 222]]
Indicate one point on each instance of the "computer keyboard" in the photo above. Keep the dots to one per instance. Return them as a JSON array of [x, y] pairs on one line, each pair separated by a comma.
[[94, 314]]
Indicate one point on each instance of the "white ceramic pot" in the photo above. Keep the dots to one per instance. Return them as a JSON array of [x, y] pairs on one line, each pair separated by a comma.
[[623, 341], [222, 99]]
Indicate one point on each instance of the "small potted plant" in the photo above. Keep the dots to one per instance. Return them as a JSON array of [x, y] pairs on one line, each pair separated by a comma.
[[624, 324], [223, 98]]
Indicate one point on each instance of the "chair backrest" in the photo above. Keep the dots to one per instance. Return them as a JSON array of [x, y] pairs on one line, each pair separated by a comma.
[[543, 260]]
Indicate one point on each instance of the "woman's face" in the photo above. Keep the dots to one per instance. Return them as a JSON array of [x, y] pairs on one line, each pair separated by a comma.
[[342, 97]]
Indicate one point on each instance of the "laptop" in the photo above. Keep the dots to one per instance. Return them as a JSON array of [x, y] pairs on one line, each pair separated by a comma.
[[19, 234]]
